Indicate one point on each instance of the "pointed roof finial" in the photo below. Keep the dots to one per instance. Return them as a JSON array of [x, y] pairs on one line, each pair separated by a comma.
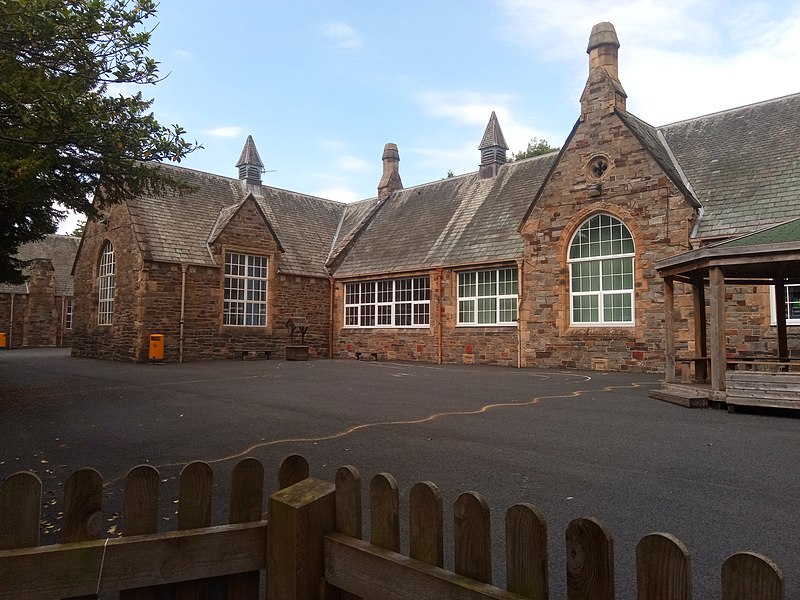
[[249, 164], [493, 136], [493, 149]]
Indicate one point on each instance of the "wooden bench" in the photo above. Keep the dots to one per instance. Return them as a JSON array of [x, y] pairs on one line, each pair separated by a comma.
[[255, 353], [372, 354], [701, 365]]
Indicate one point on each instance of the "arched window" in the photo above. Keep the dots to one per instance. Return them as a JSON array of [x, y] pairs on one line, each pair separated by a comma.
[[601, 273], [105, 285]]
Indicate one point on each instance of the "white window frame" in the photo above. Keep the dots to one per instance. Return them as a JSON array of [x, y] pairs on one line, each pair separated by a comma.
[[68, 314], [774, 308], [388, 303], [246, 290], [601, 261], [475, 287], [106, 285]]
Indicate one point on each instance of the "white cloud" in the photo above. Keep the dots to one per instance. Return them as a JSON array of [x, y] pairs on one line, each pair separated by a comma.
[[338, 193], [353, 163], [184, 55], [341, 35], [678, 59], [226, 132], [474, 109]]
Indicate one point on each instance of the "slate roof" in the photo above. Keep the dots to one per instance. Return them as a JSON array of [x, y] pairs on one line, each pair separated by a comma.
[[454, 221], [743, 165], [493, 136], [61, 251], [176, 228]]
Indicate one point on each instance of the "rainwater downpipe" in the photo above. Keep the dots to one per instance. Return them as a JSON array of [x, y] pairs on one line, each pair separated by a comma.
[[330, 321], [63, 324], [441, 311], [183, 304], [520, 278], [11, 323]]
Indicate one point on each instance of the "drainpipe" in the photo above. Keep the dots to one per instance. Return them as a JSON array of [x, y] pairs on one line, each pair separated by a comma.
[[441, 311], [183, 304], [62, 325], [330, 320], [520, 280], [11, 322]]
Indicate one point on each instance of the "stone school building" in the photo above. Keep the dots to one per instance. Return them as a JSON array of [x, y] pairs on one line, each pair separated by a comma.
[[548, 261], [39, 311]]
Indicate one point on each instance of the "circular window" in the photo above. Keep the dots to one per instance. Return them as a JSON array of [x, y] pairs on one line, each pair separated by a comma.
[[598, 167]]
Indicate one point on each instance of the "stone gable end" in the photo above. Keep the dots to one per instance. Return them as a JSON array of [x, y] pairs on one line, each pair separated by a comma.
[[634, 189]]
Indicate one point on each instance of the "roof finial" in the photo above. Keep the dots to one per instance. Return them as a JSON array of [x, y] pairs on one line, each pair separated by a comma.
[[493, 149], [250, 165]]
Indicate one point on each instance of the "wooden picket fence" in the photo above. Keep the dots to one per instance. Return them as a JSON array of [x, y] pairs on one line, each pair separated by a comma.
[[312, 547]]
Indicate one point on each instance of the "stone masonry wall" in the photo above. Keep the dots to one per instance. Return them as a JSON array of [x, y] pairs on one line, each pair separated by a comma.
[[637, 192], [122, 340], [486, 345], [42, 314]]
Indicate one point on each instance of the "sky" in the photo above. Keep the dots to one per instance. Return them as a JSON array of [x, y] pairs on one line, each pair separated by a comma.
[[322, 86]]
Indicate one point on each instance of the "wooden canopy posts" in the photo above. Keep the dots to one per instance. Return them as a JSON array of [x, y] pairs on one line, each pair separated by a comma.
[[770, 257]]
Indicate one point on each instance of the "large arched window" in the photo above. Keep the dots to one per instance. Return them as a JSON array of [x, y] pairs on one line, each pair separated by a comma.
[[601, 273], [105, 285]]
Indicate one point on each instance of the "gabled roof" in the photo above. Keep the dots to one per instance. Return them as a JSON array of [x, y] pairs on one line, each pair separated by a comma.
[[654, 143], [743, 165], [455, 221], [176, 228], [58, 249], [227, 214]]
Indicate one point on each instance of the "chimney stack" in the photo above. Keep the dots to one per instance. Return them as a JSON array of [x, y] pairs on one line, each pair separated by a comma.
[[390, 180], [603, 89]]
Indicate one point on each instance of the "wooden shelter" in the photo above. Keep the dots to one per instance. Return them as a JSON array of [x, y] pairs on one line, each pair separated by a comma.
[[769, 257]]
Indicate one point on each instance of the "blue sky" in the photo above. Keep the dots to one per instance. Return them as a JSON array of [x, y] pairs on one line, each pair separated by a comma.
[[322, 86]]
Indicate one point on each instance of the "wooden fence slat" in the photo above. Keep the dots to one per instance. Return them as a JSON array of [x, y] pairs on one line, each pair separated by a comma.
[[751, 576], [20, 511], [384, 499], [194, 511], [526, 552], [246, 505], [472, 537], [140, 513], [293, 469], [663, 568], [426, 524], [83, 510], [348, 502], [590, 560]]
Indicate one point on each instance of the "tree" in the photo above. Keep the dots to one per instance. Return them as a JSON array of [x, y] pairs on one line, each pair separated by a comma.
[[536, 147], [64, 135], [80, 227]]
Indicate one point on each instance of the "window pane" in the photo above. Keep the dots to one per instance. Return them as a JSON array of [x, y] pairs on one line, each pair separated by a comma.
[[402, 314], [467, 285], [487, 283], [466, 311], [384, 314], [585, 309], [421, 314], [402, 290], [507, 282], [508, 310], [487, 310]]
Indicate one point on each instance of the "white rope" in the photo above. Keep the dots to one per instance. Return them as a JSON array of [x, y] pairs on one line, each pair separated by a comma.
[[102, 562]]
